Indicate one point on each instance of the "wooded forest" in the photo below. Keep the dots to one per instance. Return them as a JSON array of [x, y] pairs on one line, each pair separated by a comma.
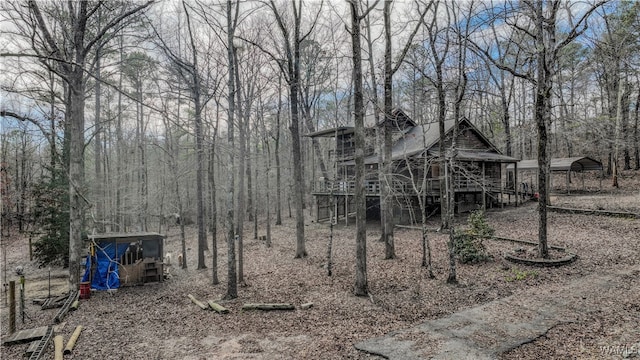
[[125, 116]]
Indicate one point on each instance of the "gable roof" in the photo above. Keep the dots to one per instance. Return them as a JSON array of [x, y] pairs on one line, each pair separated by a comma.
[[424, 137], [399, 117]]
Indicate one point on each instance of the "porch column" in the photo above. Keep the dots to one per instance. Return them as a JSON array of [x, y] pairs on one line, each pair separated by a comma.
[[515, 182], [317, 209], [501, 195], [484, 189], [346, 209], [335, 208]]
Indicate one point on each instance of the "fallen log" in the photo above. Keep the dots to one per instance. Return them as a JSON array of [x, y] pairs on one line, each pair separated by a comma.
[[72, 340], [73, 296], [612, 213], [198, 302], [306, 306], [74, 305], [58, 343], [217, 307], [268, 307]]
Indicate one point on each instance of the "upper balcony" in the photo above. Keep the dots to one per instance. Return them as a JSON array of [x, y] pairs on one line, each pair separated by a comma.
[[432, 186]]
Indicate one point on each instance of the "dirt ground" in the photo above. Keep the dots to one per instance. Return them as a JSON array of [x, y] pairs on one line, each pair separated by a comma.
[[160, 322]]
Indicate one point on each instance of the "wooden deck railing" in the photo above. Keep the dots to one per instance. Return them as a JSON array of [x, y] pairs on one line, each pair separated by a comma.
[[372, 187]]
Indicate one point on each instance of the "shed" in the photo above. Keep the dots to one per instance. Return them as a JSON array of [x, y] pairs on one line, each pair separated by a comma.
[[123, 259], [567, 165]]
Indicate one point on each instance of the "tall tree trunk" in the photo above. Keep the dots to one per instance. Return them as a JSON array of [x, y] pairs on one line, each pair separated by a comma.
[[386, 192], [636, 132], [196, 93], [298, 186], [361, 286], [119, 144], [506, 120], [76, 173], [255, 178], [267, 170], [543, 93], [626, 103], [213, 225], [201, 213], [232, 281], [277, 155], [247, 131], [99, 191], [242, 109]]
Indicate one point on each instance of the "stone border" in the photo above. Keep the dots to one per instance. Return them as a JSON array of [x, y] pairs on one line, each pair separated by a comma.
[[571, 257]]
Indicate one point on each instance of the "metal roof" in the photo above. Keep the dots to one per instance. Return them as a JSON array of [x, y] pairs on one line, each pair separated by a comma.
[[562, 164], [422, 137], [332, 132], [480, 156], [123, 236]]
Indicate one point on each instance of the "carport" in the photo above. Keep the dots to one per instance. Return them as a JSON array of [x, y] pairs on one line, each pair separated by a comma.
[[566, 165]]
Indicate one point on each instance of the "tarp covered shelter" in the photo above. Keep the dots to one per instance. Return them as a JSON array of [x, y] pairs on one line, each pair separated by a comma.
[[134, 253], [575, 164]]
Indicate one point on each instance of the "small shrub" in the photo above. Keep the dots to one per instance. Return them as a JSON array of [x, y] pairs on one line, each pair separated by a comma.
[[519, 275], [468, 245]]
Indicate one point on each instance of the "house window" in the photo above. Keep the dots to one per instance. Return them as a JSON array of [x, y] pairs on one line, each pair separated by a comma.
[[435, 170]]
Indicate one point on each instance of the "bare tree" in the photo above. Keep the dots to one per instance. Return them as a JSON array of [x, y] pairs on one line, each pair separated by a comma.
[[232, 13], [538, 22], [83, 32], [190, 72], [361, 286], [389, 70], [292, 38]]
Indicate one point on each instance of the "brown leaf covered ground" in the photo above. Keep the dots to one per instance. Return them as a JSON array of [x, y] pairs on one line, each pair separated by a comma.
[[160, 322]]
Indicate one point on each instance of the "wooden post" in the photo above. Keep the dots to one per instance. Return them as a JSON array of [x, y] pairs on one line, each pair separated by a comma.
[[484, 189], [567, 180], [22, 298], [502, 196], [346, 209], [600, 178], [12, 307], [336, 200], [516, 185], [317, 208], [30, 250]]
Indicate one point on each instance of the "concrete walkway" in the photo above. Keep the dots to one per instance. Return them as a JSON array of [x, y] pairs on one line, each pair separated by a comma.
[[486, 331]]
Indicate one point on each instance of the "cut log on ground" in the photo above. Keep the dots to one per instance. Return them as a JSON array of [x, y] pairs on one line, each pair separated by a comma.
[[268, 307], [612, 213], [72, 340], [306, 306], [217, 307], [198, 302], [74, 305], [58, 342]]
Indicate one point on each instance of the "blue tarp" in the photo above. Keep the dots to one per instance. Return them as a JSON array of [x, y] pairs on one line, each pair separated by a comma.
[[106, 259]]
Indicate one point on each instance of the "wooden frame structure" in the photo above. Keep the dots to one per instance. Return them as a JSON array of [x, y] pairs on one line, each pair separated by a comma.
[[142, 262], [480, 177], [578, 164]]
